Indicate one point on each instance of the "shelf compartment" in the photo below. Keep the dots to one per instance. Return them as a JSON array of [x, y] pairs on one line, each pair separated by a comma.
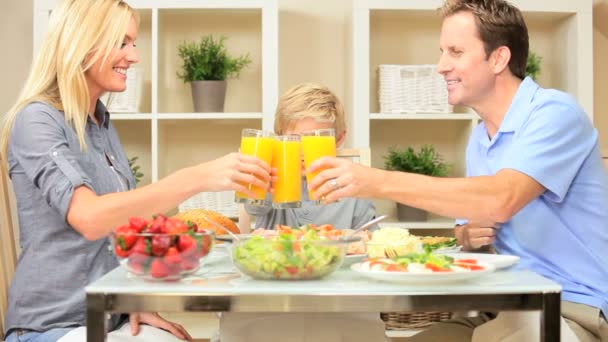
[[243, 30], [136, 139], [184, 143]]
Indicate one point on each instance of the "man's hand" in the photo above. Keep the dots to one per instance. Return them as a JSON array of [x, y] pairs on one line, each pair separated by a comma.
[[154, 319], [475, 235]]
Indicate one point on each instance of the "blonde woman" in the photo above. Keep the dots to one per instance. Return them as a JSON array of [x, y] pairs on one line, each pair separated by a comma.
[[71, 177]]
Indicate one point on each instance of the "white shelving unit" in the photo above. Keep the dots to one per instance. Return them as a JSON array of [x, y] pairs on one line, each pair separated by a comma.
[[407, 32], [166, 134]]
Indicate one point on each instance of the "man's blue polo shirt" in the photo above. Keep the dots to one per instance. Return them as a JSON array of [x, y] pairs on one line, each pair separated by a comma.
[[563, 234]]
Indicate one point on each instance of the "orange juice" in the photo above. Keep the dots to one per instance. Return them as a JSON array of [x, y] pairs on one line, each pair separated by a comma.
[[260, 147], [315, 147], [286, 158]]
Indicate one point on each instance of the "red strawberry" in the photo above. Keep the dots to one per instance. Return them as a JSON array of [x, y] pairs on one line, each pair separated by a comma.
[[186, 244], [172, 257], [138, 223], [125, 237], [175, 226], [158, 269], [141, 251], [160, 244], [157, 225], [121, 252]]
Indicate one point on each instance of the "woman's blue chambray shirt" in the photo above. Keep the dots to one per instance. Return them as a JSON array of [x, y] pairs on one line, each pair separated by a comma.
[[46, 164]]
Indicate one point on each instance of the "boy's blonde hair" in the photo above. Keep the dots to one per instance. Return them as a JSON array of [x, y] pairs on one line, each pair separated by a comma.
[[80, 33], [309, 100]]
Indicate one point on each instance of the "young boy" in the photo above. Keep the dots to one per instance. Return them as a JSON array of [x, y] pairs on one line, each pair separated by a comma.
[[307, 107], [303, 108]]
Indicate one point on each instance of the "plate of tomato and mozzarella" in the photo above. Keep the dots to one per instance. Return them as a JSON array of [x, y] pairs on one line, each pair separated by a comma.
[[393, 270]]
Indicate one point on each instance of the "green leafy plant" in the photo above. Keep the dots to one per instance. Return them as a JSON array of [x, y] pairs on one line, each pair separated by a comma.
[[426, 161], [135, 169], [533, 65], [208, 60]]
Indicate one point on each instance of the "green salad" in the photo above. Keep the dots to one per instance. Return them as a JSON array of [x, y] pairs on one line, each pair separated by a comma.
[[288, 256]]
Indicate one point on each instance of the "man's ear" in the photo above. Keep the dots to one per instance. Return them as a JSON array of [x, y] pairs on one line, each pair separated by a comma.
[[340, 138], [500, 58]]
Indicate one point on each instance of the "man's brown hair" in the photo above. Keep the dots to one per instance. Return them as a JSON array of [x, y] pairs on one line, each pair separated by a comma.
[[499, 24]]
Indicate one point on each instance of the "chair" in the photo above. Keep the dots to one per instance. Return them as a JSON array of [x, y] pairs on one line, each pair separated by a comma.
[[8, 250], [358, 155]]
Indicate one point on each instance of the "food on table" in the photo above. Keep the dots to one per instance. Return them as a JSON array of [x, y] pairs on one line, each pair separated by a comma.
[[359, 246], [198, 216], [327, 230], [391, 242], [307, 252], [162, 248], [422, 263], [432, 243]]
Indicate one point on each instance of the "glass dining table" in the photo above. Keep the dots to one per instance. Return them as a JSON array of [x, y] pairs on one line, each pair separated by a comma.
[[218, 287]]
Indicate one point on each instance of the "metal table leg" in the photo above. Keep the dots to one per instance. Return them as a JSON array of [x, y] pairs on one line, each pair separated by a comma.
[[96, 320], [550, 330]]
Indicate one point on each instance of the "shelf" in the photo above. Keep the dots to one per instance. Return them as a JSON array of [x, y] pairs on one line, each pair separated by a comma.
[[424, 116], [130, 116], [434, 224], [209, 116]]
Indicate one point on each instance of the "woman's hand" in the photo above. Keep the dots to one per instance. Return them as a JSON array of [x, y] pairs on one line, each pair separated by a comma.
[[476, 235], [154, 319], [342, 178], [231, 171]]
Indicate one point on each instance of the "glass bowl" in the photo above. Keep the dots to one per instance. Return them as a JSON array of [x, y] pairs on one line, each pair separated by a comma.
[[162, 256], [286, 257]]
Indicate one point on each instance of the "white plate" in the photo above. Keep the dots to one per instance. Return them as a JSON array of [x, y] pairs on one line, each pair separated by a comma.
[[498, 260], [422, 278]]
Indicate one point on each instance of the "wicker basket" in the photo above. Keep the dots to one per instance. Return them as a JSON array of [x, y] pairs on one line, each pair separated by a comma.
[[412, 320], [412, 89], [222, 202]]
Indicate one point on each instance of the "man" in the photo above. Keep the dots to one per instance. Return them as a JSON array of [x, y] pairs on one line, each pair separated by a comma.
[[536, 186]]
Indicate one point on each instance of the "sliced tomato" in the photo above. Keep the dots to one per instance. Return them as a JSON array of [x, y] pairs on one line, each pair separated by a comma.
[[396, 268], [436, 268], [466, 261], [469, 266]]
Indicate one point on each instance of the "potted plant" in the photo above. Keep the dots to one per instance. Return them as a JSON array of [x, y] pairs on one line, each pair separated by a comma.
[[533, 65], [207, 65], [426, 161]]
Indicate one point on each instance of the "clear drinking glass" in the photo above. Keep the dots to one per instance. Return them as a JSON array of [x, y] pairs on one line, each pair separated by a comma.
[[259, 144], [286, 158], [316, 144]]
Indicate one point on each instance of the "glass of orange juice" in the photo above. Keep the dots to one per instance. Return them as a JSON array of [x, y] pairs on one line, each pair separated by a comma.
[[316, 144], [286, 158], [259, 144]]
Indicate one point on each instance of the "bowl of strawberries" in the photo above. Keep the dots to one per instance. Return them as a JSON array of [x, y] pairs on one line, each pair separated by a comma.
[[163, 248]]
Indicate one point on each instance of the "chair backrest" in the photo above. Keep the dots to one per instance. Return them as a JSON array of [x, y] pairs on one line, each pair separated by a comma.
[[358, 155], [8, 250]]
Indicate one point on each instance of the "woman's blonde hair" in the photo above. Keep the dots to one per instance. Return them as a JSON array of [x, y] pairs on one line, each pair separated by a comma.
[[80, 33], [309, 100]]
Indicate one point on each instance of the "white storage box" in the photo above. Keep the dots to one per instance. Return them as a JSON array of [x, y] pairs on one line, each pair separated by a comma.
[[412, 89], [221, 201]]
